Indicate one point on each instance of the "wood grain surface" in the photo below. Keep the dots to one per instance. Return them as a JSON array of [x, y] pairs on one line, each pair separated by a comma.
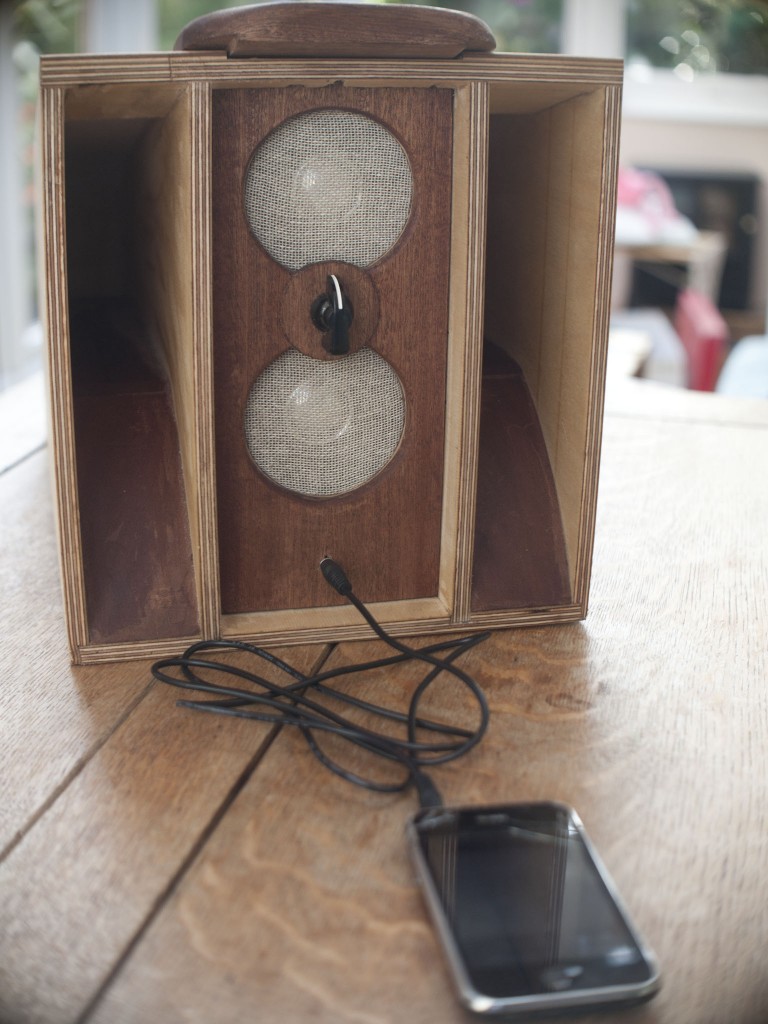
[[137, 551], [271, 540], [550, 196], [520, 558], [52, 716], [337, 30], [645, 719], [171, 868], [108, 789]]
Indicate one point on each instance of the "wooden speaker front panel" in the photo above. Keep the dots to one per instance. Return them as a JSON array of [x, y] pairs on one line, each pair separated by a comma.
[[388, 531]]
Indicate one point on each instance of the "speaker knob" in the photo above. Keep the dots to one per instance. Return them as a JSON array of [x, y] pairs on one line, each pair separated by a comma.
[[332, 314]]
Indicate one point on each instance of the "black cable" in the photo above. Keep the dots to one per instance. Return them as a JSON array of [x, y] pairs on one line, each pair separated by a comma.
[[290, 704]]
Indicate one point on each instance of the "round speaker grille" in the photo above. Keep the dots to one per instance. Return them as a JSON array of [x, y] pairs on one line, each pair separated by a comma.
[[322, 428], [328, 185]]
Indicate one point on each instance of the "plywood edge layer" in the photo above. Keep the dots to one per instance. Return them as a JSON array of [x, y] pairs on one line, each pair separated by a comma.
[[207, 555], [344, 623], [68, 69], [56, 319], [470, 183], [602, 306], [100, 654], [309, 620], [528, 617], [414, 627]]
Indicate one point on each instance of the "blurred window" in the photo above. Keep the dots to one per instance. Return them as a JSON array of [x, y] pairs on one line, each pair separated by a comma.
[[699, 36], [29, 28], [520, 26]]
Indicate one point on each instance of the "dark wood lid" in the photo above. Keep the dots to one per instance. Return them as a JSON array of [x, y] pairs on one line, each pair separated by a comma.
[[327, 29]]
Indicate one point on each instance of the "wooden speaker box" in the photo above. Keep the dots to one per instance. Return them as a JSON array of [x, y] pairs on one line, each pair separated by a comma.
[[326, 280]]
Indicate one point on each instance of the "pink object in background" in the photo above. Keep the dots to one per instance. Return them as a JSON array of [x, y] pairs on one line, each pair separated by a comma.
[[646, 213], [704, 334]]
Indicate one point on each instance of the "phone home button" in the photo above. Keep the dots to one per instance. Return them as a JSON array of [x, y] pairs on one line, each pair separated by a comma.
[[559, 979]]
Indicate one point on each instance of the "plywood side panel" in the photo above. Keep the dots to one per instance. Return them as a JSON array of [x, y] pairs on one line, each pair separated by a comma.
[[517, 239], [610, 118], [465, 343], [56, 319], [560, 237], [549, 252], [136, 549], [123, 100], [519, 551], [174, 172], [137, 556], [574, 399]]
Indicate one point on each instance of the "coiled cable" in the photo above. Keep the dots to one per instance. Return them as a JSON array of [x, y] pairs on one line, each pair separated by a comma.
[[243, 693]]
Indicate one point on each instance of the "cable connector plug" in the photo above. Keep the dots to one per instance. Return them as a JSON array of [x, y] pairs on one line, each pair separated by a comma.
[[429, 794], [336, 576]]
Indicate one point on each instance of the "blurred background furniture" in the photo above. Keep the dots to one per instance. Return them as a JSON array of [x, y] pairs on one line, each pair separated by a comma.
[[745, 372], [704, 334], [669, 272], [724, 208], [662, 356], [686, 350], [697, 263]]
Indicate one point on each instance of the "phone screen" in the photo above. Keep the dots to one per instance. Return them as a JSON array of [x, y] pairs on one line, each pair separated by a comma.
[[530, 909]]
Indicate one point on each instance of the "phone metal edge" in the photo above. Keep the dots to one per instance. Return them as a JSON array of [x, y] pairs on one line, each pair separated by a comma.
[[479, 1003]]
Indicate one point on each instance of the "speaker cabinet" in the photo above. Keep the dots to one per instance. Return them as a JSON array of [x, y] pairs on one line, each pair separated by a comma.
[[326, 280]]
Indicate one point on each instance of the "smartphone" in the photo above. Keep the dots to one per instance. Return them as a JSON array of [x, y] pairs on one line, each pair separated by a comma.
[[528, 917]]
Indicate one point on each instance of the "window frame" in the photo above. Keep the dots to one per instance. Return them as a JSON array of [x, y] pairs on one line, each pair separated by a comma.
[[597, 28]]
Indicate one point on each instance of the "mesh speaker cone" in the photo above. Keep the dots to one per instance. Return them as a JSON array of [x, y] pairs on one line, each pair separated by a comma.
[[323, 428], [328, 185]]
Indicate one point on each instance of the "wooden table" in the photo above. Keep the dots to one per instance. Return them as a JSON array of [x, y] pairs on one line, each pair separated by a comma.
[[164, 866]]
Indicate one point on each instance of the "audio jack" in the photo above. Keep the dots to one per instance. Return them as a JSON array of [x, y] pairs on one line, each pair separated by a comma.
[[332, 314]]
